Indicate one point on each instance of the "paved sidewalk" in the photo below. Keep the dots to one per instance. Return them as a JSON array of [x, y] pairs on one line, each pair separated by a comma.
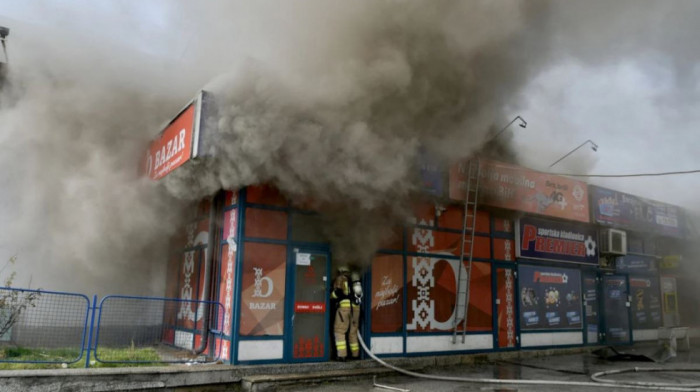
[[576, 364]]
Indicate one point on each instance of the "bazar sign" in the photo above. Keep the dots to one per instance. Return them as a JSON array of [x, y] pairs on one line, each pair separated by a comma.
[[172, 147], [516, 188], [633, 212], [180, 140], [558, 241]]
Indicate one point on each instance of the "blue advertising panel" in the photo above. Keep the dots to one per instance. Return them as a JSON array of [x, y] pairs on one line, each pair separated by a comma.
[[644, 289], [558, 241], [646, 301], [636, 264], [636, 213], [432, 174], [550, 298]]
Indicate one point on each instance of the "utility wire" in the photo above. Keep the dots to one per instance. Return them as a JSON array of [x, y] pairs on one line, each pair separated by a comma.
[[628, 175]]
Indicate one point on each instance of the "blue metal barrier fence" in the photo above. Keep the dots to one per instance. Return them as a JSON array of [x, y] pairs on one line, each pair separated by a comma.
[[151, 329], [48, 327], [42, 326]]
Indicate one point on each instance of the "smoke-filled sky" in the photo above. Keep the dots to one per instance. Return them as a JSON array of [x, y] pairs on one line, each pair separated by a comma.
[[320, 97]]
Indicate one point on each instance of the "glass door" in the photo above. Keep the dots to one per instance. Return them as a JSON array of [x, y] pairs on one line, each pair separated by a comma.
[[591, 306], [309, 313], [616, 309]]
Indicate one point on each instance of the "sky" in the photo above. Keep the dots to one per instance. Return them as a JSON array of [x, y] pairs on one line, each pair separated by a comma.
[[99, 78], [630, 105]]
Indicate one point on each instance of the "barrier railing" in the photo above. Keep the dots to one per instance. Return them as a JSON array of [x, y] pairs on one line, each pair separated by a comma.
[[150, 329], [48, 327], [42, 326]]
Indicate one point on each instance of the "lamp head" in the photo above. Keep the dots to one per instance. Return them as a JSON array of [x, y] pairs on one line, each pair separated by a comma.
[[4, 31], [523, 123], [594, 146]]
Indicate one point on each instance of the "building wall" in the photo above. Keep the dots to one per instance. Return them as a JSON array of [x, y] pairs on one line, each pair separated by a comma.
[[411, 283]]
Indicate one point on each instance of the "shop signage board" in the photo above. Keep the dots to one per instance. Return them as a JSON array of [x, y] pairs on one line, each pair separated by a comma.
[[180, 140], [432, 175], [633, 212], [636, 264], [557, 241], [550, 298], [517, 188]]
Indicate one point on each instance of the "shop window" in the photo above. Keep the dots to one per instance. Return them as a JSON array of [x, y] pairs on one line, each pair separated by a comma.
[[503, 225], [190, 281], [453, 218], [262, 289], [307, 228], [261, 223], [424, 214], [635, 244], [393, 239], [650, 246], [503, 249], [431, 295], [646, 301], [480, 317], [444, 242], [230, 198], [550, 298], [265, 194], [387, 293], [227, 268]]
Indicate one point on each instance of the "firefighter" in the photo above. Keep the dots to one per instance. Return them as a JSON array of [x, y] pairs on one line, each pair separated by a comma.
[[355, 302], [341, 298], [347, 296]]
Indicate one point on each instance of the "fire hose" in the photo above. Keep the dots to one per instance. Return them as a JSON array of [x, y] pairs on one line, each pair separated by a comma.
[[599, 382]]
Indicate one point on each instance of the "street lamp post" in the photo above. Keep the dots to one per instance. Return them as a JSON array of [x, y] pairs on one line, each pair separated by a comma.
[[594, 147], [523, 124]]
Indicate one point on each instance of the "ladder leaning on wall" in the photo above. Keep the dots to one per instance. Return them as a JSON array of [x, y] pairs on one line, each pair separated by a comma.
[[472, 174]]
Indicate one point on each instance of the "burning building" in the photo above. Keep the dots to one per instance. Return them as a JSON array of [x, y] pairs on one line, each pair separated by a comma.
[[480, 255]]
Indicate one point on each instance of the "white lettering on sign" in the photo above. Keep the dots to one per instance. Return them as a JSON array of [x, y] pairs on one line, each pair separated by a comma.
[[170, 149], [388, 294], [263, 305]]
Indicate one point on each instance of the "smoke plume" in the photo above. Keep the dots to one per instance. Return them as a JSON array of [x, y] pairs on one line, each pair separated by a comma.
[[329, 100], [345, 127]]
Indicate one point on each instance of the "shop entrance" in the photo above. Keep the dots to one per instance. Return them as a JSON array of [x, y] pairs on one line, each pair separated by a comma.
[[308, 314], [616, 310], [591, 306], [506, 303]]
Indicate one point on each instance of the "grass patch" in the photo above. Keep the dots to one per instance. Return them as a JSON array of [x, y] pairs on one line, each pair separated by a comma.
[[20, 355]]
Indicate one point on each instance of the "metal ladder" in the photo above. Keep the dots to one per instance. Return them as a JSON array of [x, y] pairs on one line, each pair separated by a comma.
[[473, 171]]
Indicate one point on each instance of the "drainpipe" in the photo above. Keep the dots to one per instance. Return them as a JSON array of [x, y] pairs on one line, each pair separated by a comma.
[[207, 291]]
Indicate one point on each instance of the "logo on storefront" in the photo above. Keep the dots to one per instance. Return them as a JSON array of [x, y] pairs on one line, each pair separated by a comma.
[[423, 280], [262, 292], [259, 279]]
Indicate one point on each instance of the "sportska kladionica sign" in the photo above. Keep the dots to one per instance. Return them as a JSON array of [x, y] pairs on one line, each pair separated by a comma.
[[557, 241], [517, 188]]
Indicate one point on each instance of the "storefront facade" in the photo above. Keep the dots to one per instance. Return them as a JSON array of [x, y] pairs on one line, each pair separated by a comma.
[[539, 277]]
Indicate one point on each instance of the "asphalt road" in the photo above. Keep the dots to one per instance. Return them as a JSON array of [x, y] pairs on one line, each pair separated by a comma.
[[568, 368]]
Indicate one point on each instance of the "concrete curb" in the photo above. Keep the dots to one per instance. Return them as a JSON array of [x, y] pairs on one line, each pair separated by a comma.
[[253, 378]]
